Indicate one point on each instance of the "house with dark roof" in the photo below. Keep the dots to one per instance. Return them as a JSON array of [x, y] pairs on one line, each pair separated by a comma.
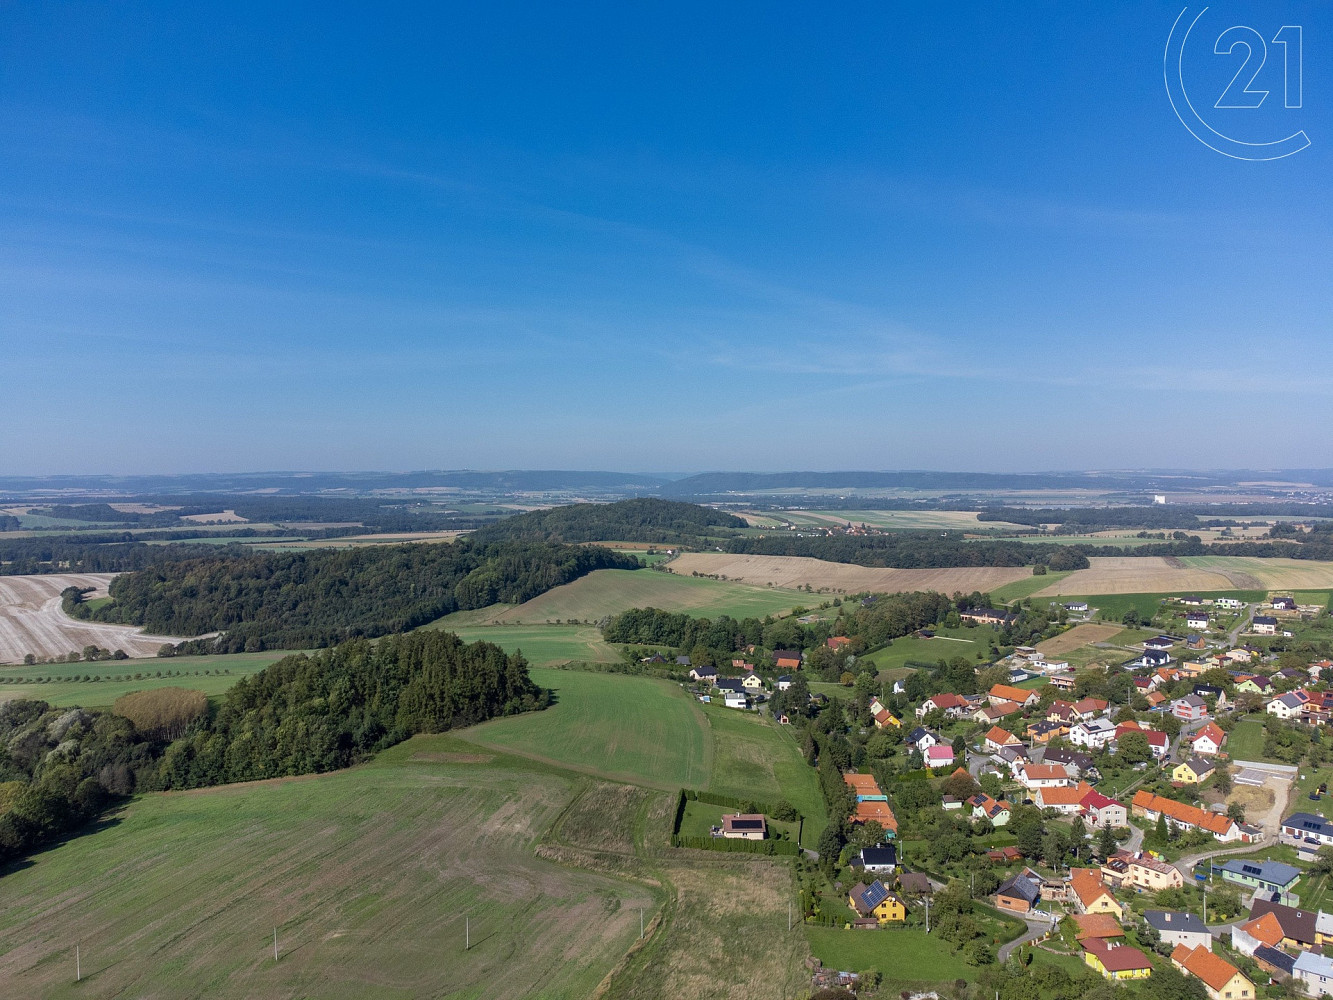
[[881, 858], [1277, 964], [1307, 833], [1299, 927], [1019, 894], [1264, 624], [744, 826], [702, 673], [1191, 708], [922, 738], [1176, 928]]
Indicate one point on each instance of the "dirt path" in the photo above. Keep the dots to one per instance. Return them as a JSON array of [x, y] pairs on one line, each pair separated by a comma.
[[31, 620]]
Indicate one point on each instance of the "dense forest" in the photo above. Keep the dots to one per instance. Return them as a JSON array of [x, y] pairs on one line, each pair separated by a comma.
[[298, 600], [60, 768], [8, 522], [104, 552], [912, 550], [371, 514], [643, 519], [1155, 517]]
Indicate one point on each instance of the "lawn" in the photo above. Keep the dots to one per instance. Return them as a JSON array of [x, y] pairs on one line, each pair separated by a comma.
[[631, 729], [700, 818], [905, 955], [542, 644], [1246, 741], [965, 642], [1112, 607], [368, 875], [755, 757], [212, 675]]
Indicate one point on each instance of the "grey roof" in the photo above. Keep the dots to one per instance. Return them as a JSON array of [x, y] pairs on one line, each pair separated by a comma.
[[1192, 700], [684, 661], [884, 855], [1319, 965], [1307, 822], [1265, 620], [1277, 959], [1271, 872], [1199, 765], [1020, 886], [1172, 920]]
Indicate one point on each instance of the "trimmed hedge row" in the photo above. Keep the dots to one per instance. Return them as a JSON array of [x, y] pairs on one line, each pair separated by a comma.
[[770, 847]]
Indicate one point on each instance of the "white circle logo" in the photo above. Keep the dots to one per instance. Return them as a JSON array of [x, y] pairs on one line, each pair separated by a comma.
[[1229, 104]]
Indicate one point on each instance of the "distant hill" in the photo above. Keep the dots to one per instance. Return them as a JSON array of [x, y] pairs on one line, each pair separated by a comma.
[[713, 484], [643, 519]]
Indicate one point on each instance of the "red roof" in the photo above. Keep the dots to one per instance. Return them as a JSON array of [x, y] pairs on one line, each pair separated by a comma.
[[1096, 800], [1116, 957]]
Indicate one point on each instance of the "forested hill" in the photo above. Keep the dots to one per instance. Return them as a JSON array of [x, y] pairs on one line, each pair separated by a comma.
[[912, 550], [643, 519], [298, 600], [303, 714]]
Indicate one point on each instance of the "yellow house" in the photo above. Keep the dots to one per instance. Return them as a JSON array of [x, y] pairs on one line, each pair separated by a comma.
[[1091, 893], [1221, 980], [1116, 961], [1194, 771], [875, 900]]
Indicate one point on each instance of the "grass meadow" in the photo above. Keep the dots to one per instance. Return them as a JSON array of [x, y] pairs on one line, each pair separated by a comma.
[[212, 675], [544, 644], [368, 875], [633, 729]]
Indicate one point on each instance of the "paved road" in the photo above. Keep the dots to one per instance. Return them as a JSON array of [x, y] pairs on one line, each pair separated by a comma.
[[1036, 928], [1234, 635]]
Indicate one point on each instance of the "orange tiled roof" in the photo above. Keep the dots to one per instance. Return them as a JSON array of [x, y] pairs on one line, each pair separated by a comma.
[[1087, 885], [1181, 813], [1008, 692], [863, 784], [1097, 925], [1266, 929], [877, 811], [1065, 796], [1001, 736], [1213, 969]]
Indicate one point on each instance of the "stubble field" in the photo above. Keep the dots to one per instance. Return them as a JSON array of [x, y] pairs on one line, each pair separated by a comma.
[[31, 620], [798, 571]]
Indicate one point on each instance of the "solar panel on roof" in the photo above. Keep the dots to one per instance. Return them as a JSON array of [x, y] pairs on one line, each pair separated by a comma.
[[875, 894]]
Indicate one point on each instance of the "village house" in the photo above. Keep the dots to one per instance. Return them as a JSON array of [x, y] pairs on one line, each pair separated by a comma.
[[1197, 620], [1091, 895], [997, 739], [939, 756], [881, 858], [991, 714], [985, 807], [1267, 877], [1078, 764], [1254, 684], [1150, 806], [1020, 894], [1249, 935], [836, 642], [1088, 708], [1307, 833], [1176, 928], [744, 826], [886, 719], [1221, 979], [1063, 682], [1116, 961], [1283, 604], [987, 616], [752, 683], [787, 659], [1228, 603], [1139, 871], [1045, 731], [922, 738], [1101, 810], [1315, 973], [1096, 925], [1095, 734], [1190, 708], [952, 705], [1034, 776], [1067, 799], [1194, 771], [1300, 928], [875, 900], [1006, 692], [1155, 699], [735, 699], [1209, 740], [706, 674], [784, 682], [1289, 705], [1264, 625], [1158, 742]]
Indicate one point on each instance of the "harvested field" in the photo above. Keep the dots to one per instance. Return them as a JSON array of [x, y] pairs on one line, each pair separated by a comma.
[[31, 620], [1271, 574], [797, 571], [1079, 635], [217, 517], [1140, 575]]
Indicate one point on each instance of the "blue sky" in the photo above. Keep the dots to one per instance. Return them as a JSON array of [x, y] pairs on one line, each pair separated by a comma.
[[670, 238]]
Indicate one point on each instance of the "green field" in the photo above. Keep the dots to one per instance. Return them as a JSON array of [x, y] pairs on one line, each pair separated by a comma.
[[907, 954], [755, 757], [632, 729], [949, 643], [368, 875], [543, 644], [608, 591], [1020, 589], [1112, 607], [64, 689]]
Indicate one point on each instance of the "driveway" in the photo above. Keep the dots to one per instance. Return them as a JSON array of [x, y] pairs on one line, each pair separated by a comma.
[[1036, 928]]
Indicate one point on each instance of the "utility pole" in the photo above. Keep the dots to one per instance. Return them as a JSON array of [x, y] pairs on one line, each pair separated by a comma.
[[78, 964], [467, 933], [927, 914], [275, 943]]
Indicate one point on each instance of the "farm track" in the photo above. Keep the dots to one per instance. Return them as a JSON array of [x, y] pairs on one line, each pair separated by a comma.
[[31, 620]]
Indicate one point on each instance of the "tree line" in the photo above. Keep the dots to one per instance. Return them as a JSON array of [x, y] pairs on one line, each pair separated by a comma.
[[299, 600], [60, 768]]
